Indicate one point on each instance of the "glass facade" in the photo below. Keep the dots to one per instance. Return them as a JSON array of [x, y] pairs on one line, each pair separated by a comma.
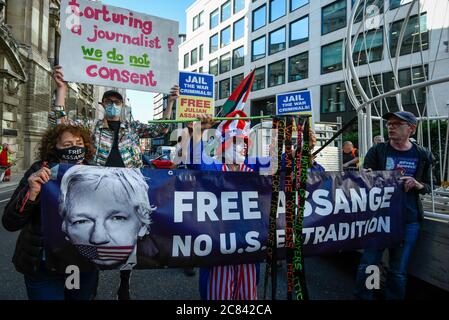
[[277, 40], [213, 67], [259, 17], [334, 98], [213, 43], [276, 73], [296, 4], [416, 35], [225, 63], [298, 67], [238, 58], [239, 29], [225, 87], [331, 57], [258, 48], [299, 31], [333, 16], [225, 37], [369, 48], [278, 9], [259, 79]]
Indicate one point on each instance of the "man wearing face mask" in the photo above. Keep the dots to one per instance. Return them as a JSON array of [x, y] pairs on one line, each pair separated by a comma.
[[116, 140], [43, 272]]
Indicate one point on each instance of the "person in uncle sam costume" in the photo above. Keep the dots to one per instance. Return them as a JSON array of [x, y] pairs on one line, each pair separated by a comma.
[[232, 282]]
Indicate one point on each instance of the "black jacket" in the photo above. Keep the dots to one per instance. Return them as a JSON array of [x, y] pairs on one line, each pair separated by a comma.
[[376, 159], [23, 214]]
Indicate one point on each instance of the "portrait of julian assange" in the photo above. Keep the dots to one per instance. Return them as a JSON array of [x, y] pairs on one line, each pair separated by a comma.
[[104, 212]]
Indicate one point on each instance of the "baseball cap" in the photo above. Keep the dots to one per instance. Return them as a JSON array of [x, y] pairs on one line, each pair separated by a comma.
[[403, 115], [112, 93]]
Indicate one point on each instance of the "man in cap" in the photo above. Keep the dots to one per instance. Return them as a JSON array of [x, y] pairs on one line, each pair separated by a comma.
[[116, 140], [414, 162]]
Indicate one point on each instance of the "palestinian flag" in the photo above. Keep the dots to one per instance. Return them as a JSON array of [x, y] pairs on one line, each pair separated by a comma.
[[238, 97]]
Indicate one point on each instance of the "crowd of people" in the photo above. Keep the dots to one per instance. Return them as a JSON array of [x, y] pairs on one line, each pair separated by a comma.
[[114, 142]]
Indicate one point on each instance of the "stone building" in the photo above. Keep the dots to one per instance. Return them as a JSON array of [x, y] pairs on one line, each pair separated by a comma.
[[29, 47]]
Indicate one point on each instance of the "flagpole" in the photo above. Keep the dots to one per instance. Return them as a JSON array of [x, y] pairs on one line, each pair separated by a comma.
[[213, 119]]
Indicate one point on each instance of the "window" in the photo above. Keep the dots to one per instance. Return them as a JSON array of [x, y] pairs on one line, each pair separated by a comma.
[[225, 63], [198, 21], [259, 79], [186, 60], [238, 5], [213, 43], [296, 4], [277, 40], [216, 91], [372, 8], [369, 48], [397, 3], [406, 77], [259, 17], [258, 49], [225, 37], [299, 31], [334, 98], [213, 67], [412, 39], [225, 87], [278, 9], [238, 58], [213, 19], [201, 52], [298, 67], [201, 70], [236, 81], [239, 29], [226, 11], [333, 16], [331, 57], [276, 73], [194, 56]]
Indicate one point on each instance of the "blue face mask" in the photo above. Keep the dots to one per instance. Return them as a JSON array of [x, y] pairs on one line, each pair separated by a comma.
[[112, 110]]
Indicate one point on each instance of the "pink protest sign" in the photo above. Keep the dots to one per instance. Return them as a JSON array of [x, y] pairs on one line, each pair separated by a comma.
[[116, 47]]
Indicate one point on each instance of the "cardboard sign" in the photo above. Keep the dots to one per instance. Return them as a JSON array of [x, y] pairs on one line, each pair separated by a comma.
[[299, 102], [196, 95], [116, 47]]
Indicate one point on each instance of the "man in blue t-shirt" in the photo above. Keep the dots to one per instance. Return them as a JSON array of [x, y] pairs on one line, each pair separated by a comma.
[[414, 163]]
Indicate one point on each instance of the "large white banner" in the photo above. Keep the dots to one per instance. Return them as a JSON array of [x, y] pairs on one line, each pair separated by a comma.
[[116, 47]]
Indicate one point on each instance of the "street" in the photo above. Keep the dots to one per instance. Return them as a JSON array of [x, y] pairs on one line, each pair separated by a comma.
[[328, 278]]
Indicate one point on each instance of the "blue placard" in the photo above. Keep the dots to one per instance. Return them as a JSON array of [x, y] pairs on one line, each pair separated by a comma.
[[196, 84], [299, 102]]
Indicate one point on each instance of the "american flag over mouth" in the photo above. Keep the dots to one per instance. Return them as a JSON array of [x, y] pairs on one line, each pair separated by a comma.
[[105, 252]]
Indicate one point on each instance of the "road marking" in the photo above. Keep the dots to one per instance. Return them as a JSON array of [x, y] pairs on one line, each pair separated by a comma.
[[4, 200]]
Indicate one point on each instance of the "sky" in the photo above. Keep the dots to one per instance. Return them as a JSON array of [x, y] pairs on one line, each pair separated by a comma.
[[142, 102]]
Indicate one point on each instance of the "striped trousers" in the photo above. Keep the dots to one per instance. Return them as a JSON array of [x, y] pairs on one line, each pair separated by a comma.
[[233, 282]]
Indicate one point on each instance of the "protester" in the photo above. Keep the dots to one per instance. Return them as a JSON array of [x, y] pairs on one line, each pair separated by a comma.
[[232, 282], [6, 160], [116, 140], [350, 156], [414, 162], [44, 277]]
